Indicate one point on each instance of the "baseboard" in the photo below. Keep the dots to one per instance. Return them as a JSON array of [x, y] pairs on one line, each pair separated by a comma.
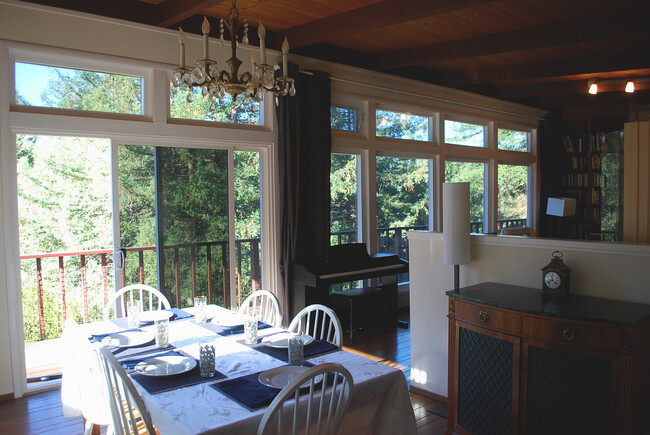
[[427, 393], [5, 397]]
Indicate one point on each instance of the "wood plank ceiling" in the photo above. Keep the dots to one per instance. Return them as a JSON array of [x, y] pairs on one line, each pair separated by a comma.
[[536, 52]]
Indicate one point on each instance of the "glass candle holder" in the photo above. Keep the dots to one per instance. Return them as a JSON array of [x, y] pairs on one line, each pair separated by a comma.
[[296, 350], [200, 312], [133, 313], [162, 332], [250, 330], [206, 356]]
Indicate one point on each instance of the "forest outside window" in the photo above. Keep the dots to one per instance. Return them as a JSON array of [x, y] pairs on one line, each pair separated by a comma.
[[466, 134], [402, 125], [344, 119], [513, 196], [344, 194], [513, 140]]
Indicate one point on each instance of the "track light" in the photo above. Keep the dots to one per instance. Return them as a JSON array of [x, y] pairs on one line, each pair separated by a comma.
[[629, 87], [592, 85]]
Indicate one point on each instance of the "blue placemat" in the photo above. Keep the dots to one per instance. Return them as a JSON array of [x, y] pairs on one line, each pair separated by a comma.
[[99, 337], [248, 391], [315, 348], [179, 314], [231, 330], [155, 385]]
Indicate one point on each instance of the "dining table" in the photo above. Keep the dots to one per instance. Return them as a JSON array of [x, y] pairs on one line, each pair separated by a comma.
[[234, 399]]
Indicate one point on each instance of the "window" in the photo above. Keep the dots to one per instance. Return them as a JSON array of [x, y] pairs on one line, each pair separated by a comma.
[[513, 196], [344, 188], [474, 174], [344, 118], [184, 104], [399, 125], [65, 88], [462, 133], [513, 140]]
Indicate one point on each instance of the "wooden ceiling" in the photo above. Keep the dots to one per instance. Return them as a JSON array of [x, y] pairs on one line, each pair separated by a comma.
[[536, 52]]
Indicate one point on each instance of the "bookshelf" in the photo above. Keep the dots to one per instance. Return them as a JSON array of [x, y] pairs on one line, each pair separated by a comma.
[[582, 179]]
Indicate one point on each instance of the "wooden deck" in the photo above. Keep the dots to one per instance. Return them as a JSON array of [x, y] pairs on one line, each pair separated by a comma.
[[41, 413]]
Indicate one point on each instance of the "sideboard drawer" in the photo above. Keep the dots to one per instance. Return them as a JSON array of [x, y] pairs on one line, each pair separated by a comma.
[[488, 317], [580, 334]]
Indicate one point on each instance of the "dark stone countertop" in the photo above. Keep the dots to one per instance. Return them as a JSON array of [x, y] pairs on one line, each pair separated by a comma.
[[576, 307]]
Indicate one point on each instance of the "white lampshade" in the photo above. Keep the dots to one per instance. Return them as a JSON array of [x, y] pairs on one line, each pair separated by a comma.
[[561, 206], [455, 223]]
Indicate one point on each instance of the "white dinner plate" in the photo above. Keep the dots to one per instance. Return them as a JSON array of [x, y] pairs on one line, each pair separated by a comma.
[[152, 316], [280, 377], [228, 320], [128, 339], [281, 341], [165, 365]]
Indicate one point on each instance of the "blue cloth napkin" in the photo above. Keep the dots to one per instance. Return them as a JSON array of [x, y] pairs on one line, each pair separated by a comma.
[[99, 337], [179, 314], [231, 330], [248, 391], [315, 348]]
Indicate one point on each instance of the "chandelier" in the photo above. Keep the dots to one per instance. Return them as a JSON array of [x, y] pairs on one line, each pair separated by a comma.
[[215, 83]]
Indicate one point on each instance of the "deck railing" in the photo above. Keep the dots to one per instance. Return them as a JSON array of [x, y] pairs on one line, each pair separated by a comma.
[[247, 269]]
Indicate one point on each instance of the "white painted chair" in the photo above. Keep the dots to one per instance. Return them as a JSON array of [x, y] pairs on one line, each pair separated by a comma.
[[319, 322], [264, 306], [319, 410], [128, 411], [137, 291]]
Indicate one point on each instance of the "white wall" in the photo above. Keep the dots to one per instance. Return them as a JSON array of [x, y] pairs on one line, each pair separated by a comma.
[[600, 269]]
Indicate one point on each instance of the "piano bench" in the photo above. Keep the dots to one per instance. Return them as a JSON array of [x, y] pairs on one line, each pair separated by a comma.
[[358, 299]]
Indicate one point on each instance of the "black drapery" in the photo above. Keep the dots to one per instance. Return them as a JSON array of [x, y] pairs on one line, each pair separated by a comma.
[[548, 177], [304, 140]]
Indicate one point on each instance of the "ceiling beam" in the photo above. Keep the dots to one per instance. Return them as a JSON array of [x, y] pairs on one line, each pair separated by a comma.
[[175, 11], [600, 63], [373, 16], [138, 12], [625, 23]]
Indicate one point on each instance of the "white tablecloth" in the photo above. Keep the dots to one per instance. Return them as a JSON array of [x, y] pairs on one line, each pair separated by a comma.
[[380, 403]]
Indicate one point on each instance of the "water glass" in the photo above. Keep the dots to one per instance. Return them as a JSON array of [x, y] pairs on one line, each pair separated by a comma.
[[133, 313], [295, 349], [250, 330], [206, 356], [162, 333], [200, 305]]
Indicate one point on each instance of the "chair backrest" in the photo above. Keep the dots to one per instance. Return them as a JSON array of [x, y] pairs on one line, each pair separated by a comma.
[[128, 411], [321, 407], [136, 291], [319, 322], [263, 305]]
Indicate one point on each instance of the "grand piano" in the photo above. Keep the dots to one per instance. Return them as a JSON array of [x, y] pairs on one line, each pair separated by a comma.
[[345, 263]]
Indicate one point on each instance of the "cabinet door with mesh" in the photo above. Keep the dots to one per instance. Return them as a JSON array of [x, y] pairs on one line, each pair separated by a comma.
[[567, 392], [488, 374]]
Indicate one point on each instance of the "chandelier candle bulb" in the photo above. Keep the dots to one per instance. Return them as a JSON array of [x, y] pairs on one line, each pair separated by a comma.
[[285, 51], [206, 31], [261, 32], [181, 40]]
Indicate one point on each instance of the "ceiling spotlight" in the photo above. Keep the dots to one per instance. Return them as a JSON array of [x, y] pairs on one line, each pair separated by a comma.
[[593, 86], [629, 87]]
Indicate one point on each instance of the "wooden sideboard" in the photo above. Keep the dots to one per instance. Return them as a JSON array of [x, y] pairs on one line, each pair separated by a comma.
[[523, 364]]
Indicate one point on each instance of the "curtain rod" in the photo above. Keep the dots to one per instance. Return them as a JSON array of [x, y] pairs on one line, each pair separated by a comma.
[[428, 97]]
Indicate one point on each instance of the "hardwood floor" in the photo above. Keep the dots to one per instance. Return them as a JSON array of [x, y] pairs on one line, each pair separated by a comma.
[[41, 413]]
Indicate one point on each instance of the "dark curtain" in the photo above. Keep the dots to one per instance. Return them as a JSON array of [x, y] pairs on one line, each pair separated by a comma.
[[548, 136], [304, 139]]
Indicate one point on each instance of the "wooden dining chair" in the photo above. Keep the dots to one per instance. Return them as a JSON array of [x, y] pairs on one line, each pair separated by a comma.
[[321, 408], [137, 292], [128, 412], [320, 322], [263, 305]]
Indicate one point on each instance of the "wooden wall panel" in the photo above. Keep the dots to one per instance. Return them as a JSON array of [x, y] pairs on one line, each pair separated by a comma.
[[636, 205]]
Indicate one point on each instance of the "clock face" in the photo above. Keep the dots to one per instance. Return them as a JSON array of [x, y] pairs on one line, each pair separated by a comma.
[[552, 280]]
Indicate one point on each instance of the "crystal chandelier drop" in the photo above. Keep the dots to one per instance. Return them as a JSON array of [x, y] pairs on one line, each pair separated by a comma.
[[215, 83]]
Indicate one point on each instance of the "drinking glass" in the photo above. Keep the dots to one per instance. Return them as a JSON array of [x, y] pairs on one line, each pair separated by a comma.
[[133, 313], [200, 305], [250, 330], [162, 333], [206, 356], [295, 348]]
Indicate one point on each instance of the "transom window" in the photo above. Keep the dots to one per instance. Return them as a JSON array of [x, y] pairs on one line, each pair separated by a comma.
[[463, 133], [344, 118], [66, 88], [193, 105], [402, 125], [513, 140]]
